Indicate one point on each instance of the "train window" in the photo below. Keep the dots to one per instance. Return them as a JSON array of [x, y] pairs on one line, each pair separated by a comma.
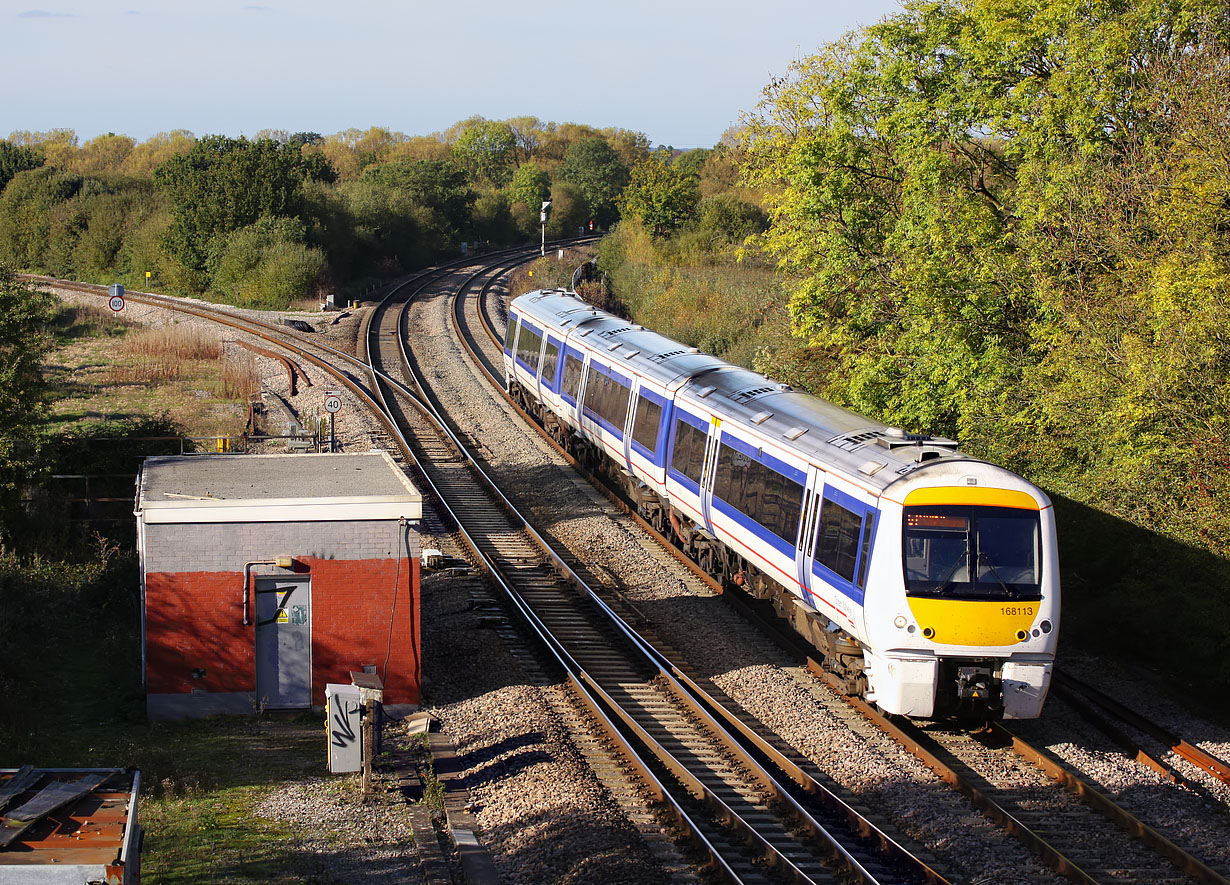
[[645, 424], [689, 454], [972, 552], [510, 333], [759, 491], [572, 375], [550, 359], [607, 397], [529, 348], [837, 539]]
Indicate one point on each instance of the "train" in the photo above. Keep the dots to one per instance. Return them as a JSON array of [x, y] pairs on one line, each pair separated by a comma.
[[927, 579]]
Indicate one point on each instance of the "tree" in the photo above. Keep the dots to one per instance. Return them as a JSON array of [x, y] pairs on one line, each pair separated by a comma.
[[265, 264], [660, 194], [223, 184], [24, 314], [106, 153], [530, 185], [438, 186], [600, 175], [1005, 228], [158, 149], [487, 150], [15, 158]]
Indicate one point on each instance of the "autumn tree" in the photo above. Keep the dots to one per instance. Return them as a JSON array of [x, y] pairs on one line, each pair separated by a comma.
[[1004, 228], [530, 185]]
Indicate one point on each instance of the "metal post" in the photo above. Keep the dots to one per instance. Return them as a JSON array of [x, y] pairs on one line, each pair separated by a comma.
[[367, 728], [332, 432]]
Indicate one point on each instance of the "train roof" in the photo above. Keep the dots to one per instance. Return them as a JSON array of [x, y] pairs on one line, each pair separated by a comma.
[[879, 455], [648, 353]]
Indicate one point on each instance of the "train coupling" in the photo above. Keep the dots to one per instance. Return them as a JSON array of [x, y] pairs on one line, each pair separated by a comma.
[[975, 685]]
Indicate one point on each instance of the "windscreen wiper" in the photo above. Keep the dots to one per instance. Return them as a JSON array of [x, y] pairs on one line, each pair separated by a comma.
[[1008, 591]]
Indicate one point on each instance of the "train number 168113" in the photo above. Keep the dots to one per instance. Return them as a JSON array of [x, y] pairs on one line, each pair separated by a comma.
[[1017, 610]]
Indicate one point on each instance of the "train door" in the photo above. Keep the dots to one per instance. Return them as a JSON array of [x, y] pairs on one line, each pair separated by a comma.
[[804, 554], [712, 445]]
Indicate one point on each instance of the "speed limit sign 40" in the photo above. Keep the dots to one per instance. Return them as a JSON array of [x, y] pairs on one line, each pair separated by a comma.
[[333, 403]]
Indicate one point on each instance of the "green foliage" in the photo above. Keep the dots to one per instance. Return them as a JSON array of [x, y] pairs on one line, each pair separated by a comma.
[[441, 188], [530, 185], [492, 219], [661, 195], [725, 217], [732, 311], [24, 315], [223, 184], [15, 158], [265, 265], [487, 150], [569, 211], [599, 173]]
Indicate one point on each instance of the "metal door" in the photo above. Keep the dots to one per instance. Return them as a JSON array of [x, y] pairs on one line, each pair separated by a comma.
[[284, 642]]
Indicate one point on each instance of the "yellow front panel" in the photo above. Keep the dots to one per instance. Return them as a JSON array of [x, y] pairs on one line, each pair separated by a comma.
[[971, 495], [969, 622]]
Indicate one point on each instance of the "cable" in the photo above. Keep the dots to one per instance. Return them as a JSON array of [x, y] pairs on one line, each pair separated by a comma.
[[388, 652]]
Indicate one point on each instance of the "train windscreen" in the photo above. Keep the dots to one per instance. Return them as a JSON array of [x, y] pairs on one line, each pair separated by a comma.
[[972, 552]]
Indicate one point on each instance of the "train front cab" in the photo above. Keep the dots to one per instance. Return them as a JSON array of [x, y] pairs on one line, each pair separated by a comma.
[[972, 623]]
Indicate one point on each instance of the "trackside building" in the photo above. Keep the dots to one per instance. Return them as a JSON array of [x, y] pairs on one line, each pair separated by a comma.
[[264, 577]]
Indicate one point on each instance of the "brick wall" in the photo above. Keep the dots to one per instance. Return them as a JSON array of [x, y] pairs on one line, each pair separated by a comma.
[[225, 546], [193, 619]]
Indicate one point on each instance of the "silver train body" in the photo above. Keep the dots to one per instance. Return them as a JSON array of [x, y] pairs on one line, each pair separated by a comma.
[[928, 579]]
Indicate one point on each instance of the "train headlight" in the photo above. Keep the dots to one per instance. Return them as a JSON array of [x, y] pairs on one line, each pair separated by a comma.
[[1045, 626], [899, 621], [928, 632], [1021, 635]]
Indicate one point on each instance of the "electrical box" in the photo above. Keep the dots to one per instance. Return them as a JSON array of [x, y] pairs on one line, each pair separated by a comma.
[[343, 725]]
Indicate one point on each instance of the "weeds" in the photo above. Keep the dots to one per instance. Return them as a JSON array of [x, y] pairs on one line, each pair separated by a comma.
[[240, 377]]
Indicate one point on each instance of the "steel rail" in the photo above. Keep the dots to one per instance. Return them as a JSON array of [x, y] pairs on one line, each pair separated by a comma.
[[595, 699], [1114, 812], [1053, 856], [695, 786], [708, 708], [583, 685], [1202, 759]]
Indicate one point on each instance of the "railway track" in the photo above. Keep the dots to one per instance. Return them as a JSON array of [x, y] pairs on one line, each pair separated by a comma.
[[1047, 823], [702, 776], [386, 377]]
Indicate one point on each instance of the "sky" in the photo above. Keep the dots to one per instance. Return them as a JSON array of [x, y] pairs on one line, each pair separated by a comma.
[[679, 71]]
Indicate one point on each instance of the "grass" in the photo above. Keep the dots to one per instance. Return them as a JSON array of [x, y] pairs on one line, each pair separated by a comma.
[[105, 367], [70, 696], [70, 689]]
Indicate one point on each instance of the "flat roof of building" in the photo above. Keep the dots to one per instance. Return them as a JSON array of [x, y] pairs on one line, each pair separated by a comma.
[[269, 488]]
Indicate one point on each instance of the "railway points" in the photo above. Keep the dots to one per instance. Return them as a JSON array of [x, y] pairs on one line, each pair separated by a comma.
[[646, 611]]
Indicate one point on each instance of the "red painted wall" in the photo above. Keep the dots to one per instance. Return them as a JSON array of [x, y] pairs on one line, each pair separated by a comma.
[[195, 620]]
